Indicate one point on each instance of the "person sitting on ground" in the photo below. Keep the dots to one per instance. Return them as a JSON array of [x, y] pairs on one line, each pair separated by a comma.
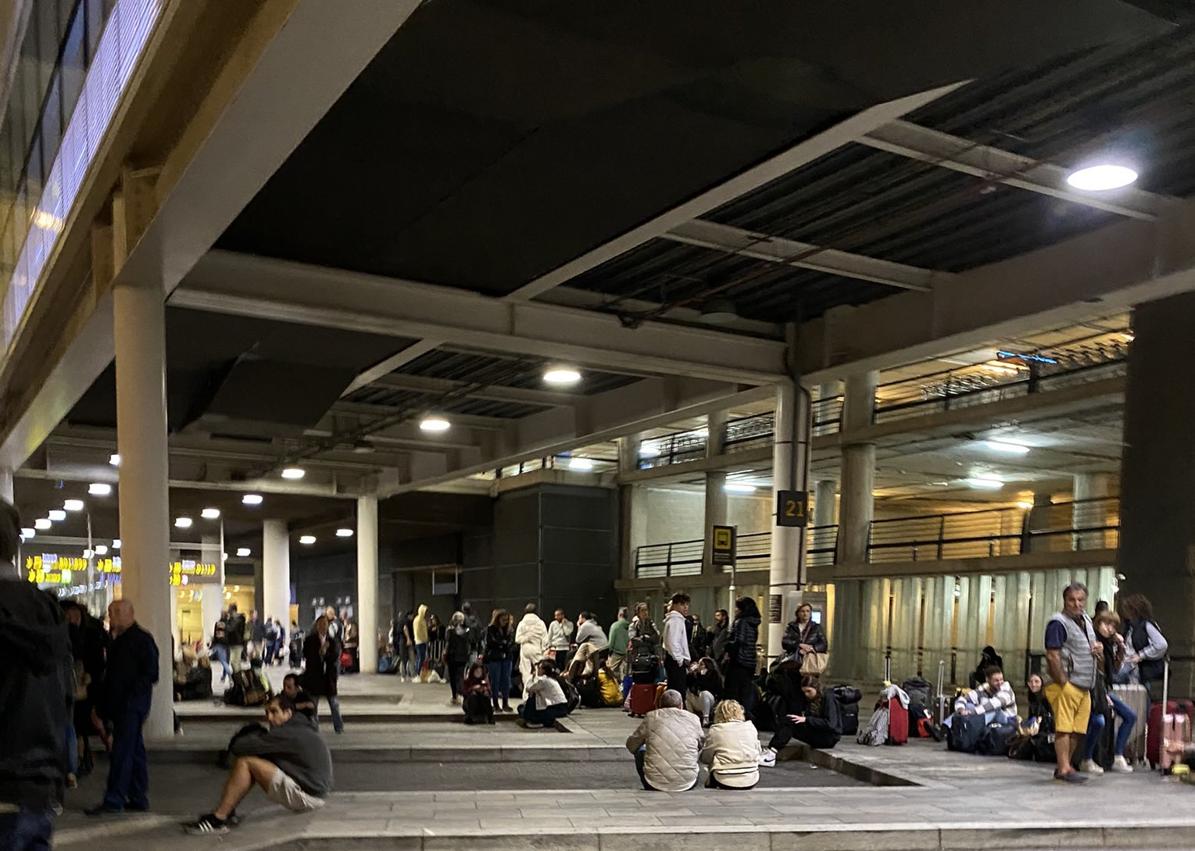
[[811, 715], [609, 683], [666, 745], [545, 698], [477, 698], [590, 639], [303, 702], [731, 749], [704, 684], [994, 700], [290, 762], [1039, 707], [1112, 645]]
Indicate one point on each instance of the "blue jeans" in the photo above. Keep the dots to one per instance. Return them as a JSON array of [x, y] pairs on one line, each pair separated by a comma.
[[71, 743], [334, 707], [220, 653], [500, 680], [26, 830], [128, 769], [420, 658], [1128, 720]]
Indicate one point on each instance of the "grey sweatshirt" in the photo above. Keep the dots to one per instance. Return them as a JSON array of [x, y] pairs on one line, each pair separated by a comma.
[[296, 748]]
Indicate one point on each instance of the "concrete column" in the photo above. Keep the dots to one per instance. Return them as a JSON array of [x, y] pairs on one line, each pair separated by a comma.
[[212, 601], [6, 491], [629, 534], [1093, 508], [784, 567], [274, 567], [715, 489], [140, 332], [367, 582], [825, 508], [857, 478]]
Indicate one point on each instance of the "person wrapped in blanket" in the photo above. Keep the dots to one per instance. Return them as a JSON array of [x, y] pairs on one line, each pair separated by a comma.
[[994, 699]]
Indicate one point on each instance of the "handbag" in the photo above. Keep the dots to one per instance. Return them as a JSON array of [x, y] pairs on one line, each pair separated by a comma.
[[815, 663]]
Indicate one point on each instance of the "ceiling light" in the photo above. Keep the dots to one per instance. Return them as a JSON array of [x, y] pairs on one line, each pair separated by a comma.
[[434, 425], [210, 513], [1025, 506], [73, 505], [738, 487], [114, 459], [251, 499], [56, 514], [99, 489], [101, 550], [42, 523], [1005, 446], [307, 540], [243, 552], [87, 553], [562, 376], [28, 533], [182, 522], [1104, 176], [583, 465], [344, 532], [649, 450], [719, 311], [981, 483], [293, 473], [116, 543]]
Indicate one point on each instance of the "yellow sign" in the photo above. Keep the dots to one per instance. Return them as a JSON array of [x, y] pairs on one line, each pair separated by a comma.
[[188, 570], [724, 545]]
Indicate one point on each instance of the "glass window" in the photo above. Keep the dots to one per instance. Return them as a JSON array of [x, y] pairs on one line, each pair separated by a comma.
[[49, 37], [33, 170], [95, 26], [74, 64], [51, 122]]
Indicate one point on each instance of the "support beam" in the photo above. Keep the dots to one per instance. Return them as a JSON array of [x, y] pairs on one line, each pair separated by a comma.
[[521, 395], [962, 155], [803, 255], [275, 574], [384, 367], [367, 583]]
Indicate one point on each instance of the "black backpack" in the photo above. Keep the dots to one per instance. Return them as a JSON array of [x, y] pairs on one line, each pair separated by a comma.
[[918, 689], [965, 733], [996, 738], [571, 696]]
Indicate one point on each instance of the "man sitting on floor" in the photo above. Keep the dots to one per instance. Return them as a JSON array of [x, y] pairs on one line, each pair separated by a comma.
[[994, 700], [666, 745], [289, 761]]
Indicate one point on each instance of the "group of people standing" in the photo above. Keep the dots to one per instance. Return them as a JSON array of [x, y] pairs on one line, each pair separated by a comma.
[[236, 640]]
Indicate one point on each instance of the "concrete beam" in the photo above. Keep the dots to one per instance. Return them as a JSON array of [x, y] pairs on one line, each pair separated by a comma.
[[964, 566], [753, 458], [494, 393]]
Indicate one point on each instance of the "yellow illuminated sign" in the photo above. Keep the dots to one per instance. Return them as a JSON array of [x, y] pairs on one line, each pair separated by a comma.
[[188, 569]]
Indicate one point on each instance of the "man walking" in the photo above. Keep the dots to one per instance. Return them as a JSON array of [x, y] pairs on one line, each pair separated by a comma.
[[33, 699], [132, 673], [234, 634], [676, 643], [1071, 649]]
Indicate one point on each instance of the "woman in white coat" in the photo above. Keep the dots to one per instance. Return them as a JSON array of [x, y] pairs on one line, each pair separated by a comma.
[[731, 749], [532, 638]]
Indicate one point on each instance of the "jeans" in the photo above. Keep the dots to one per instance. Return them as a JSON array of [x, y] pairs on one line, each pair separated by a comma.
[[1095, 729], [334, 707], [71, 743], [128, 770], [701, 703], [26, 830], [219, 652], [500, 680], [542, 717], [420, 658]]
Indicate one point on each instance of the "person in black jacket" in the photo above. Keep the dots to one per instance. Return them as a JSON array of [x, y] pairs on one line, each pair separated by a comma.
[[234, 634], [458, 644], [33, 699], [803, 636], [499, 655], [811, 715], [741, 661], [128, 689], [321, 669], [719, 634]]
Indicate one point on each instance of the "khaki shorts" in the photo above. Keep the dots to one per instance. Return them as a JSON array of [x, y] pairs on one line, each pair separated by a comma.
[[284, 790], [1072, 708]]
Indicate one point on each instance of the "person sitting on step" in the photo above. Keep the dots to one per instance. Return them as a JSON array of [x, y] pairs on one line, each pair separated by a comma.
[[731, 749], [666, 745], [994, 699], [811, 714], [477, 697], [545, 698]]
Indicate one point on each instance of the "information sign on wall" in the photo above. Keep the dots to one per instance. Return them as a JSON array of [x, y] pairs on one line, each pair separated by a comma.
[[724, 541]]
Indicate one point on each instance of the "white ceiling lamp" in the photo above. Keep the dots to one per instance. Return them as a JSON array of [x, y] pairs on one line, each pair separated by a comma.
[[182, 522], [210, 514], [1102, 177], [73, 505], [42, 523], [434, 425], [293, 473], [243, 552], [116, 543], [251, 499], [562, 376], [307, 540], [738, 487], [28, 533], [344, 532], [581, 465], [719, 311], [99, 489], [984, 483], [101, 550], [1006, 447], [114, 459], [56, 514], [88, 553]]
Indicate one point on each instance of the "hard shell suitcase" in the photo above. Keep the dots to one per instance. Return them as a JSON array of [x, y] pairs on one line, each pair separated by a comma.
[[642, 699], [898, 722], [1137, 699], [1169, 732]]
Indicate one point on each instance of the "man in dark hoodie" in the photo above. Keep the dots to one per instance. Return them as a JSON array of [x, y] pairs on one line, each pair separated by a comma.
[[289, 761], [34, 696]]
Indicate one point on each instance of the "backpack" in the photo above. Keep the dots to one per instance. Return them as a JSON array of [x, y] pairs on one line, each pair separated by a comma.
[[246, 690], [918, 689], [965, 733], [571, 696], [996, 738], [876, 731]]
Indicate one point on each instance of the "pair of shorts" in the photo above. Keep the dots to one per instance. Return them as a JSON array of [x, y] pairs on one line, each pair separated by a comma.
[[1072, 708], [285, 791]]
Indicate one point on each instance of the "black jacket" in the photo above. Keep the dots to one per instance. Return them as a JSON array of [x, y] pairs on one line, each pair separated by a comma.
[[234, 630], [826, 716], [813, 637], [320, 673], [718, 636], [35, 668], [459, 645], [132, 673], [744, 635], [499, 644]]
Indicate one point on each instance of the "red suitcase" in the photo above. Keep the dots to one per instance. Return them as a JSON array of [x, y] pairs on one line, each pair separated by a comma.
[[643, 699], [1169, 732], [898, 722]]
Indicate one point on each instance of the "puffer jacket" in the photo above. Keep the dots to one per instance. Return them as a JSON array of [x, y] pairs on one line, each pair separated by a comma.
[[732, 752], [673, 737], [744, 635]]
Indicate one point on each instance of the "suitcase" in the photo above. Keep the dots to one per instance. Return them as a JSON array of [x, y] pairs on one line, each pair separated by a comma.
[[850, 719], [645, 669], [1136, 697], [898, 722], [1169, 731], [642, 699]]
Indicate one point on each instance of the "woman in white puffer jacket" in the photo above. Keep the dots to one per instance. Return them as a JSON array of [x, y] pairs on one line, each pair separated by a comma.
[[731, 749]]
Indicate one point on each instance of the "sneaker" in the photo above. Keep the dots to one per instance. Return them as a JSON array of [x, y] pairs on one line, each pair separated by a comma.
[[1088, 766], [72, 782], [1070, 777], [768, 759], [1121, 765], [208, 824]]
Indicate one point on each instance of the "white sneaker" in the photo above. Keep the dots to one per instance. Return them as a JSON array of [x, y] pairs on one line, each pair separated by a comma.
[[768, 758], [1089, 767], [1121, 765]]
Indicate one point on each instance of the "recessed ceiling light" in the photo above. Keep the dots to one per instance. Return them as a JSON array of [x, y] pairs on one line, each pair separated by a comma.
[[344, 533], [1101, 177], [251, 499], [983, 483], [28, 533], [101, 550], [583, 465], [182, 522], [293, 473], [114, 459], [87, 553], [42, 523], [210, 513], [73, 505], [56, 514], [243, 552], [116, 543], [562, 376], [99, 489], [434, 425], [1006, 447], [738, 487], [307, 540]]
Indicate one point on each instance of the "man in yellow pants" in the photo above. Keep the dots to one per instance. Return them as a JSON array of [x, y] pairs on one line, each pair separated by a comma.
[[1071, 647]]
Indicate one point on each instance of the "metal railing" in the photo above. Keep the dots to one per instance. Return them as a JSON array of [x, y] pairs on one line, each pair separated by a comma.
[[749, 432], [679, 558], [754, 550]]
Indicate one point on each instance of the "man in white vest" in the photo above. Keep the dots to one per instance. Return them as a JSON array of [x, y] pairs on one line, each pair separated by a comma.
[[1071, 648]]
